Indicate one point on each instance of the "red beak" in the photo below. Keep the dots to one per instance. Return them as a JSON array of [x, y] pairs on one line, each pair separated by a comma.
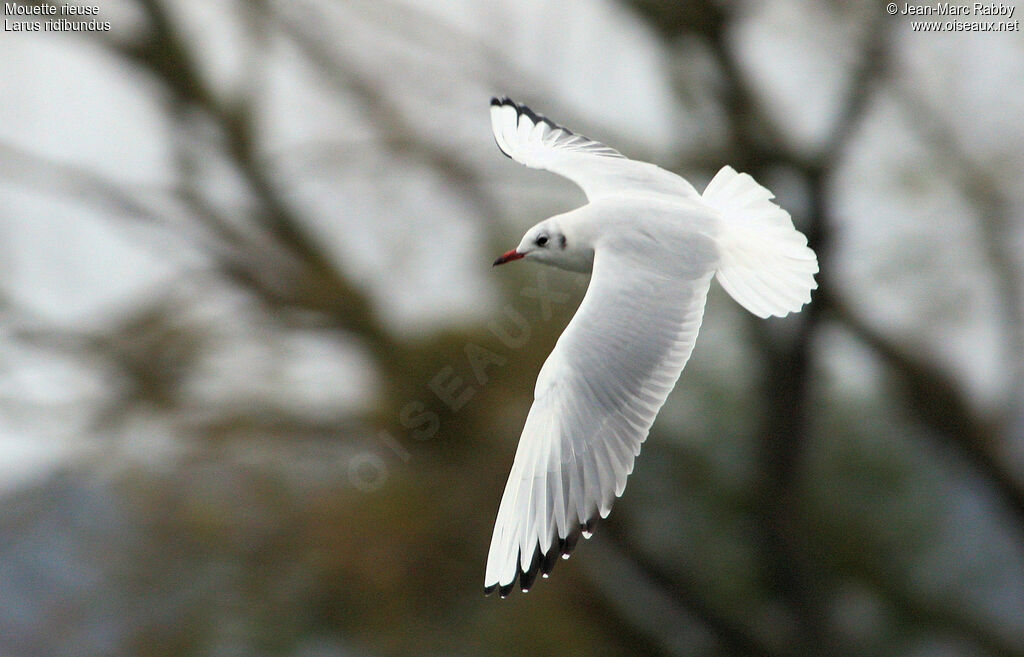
[[508, 257]]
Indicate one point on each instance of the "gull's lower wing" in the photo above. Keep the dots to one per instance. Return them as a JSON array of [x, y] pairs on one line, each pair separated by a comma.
[[537, 142], [596, 398]]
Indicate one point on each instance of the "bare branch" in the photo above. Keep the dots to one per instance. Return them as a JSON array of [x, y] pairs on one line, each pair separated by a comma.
[[982, 188], [940, 403], [397, 134], [678, 602], [322, 287]]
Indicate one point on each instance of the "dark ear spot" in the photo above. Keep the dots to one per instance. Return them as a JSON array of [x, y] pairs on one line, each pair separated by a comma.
[[561, 241]]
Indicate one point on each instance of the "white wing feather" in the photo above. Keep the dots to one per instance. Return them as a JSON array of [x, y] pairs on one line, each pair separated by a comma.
[[596, 399], [601, 171]]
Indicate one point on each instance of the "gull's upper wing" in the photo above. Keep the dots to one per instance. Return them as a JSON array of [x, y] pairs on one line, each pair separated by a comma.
[[601, 171], [596, 398]]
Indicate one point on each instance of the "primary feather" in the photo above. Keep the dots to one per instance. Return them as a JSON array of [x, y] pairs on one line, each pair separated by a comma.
[[539, 143]]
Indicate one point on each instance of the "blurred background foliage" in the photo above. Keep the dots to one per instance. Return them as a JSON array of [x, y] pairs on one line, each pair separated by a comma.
[[260, 390]]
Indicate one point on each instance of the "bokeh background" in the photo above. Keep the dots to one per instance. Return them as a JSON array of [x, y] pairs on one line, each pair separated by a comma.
[[260, 387]]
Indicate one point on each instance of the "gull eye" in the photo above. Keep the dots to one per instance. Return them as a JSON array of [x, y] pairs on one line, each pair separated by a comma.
[[542, 240]]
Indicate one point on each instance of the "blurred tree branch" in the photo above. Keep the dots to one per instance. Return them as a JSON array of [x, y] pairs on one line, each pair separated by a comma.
[[678, 599], [940, 615], [939, 402], [396, 133], [983, 190], [321, 287]]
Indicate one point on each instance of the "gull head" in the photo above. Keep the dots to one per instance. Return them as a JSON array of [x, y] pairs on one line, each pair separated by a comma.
[[548, 244]]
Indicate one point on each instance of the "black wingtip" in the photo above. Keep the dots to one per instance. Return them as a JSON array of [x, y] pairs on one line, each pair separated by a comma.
[[543, 563], [527, 577], [568, 544], [549, 561], [522, 110]]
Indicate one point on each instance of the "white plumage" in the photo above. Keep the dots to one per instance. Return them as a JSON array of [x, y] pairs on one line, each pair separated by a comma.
[[652, 244]]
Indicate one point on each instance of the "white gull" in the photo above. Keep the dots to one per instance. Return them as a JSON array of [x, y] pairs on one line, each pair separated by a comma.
[[652, 245]]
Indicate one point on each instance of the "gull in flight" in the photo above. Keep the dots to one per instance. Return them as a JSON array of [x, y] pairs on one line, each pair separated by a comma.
[[652, 244]]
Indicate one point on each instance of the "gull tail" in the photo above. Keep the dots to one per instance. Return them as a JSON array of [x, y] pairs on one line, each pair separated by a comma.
[[765, 263]]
